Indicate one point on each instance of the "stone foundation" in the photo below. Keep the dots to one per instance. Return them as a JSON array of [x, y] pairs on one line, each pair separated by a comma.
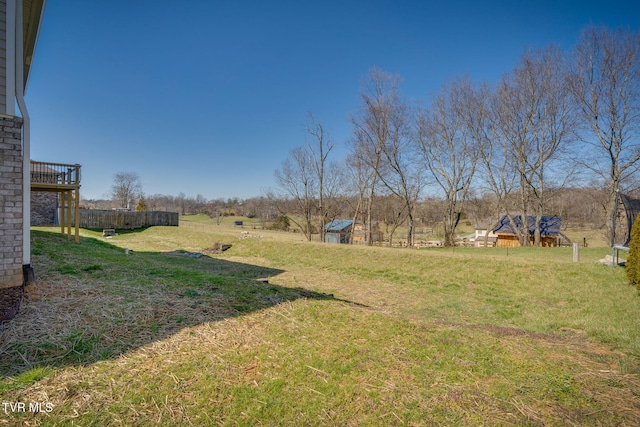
[[44, 205]]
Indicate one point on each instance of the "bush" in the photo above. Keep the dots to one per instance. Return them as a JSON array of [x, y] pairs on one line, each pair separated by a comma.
[[633, 260], [282, 223], [142, 205]]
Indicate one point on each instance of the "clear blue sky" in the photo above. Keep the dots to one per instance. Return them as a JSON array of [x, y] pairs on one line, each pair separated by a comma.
[[208, 97]]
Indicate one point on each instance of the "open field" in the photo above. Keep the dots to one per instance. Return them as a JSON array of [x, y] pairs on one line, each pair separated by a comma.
[[278, 331], [594, 237]]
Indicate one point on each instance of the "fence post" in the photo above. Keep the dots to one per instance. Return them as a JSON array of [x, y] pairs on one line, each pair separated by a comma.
[[576, 253]]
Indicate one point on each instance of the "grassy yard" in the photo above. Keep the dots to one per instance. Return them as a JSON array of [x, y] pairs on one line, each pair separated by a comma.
[[278, 331]]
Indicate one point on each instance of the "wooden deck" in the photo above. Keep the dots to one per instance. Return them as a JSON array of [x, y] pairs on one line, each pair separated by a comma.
[[54, 176], [64, 179]]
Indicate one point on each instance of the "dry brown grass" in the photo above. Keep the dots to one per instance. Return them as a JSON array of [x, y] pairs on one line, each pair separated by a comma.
[[428, 345], [244, 352]]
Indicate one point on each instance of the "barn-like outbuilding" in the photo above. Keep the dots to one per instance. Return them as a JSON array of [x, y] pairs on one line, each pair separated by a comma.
[[549, 231]]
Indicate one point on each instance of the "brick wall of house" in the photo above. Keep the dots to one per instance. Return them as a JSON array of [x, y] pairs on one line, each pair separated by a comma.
[[11, 202]]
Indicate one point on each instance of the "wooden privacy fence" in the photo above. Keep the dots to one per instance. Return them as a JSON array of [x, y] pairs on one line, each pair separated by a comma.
[[90, 218]]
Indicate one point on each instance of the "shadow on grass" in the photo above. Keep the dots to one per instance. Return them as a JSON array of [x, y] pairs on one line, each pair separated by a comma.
[[93, 302]]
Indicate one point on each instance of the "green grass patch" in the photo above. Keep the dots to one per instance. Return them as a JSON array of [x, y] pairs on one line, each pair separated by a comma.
[[278, 331], [25, 379]]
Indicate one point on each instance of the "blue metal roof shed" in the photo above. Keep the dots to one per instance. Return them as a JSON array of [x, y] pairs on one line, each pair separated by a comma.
[[338, 225], [338, 231], [549, 225]]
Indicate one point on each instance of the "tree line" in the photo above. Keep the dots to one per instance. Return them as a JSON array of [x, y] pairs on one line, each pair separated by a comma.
[[580, 207], [558, 134], [557, 123]]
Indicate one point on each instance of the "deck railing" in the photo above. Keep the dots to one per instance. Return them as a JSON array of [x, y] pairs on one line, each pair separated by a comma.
[[55, 174], [64, 179]]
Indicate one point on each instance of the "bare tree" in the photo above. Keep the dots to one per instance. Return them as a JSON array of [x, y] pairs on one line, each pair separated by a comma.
[[497, 177], [319, 145], [126, 189], [335, 193], [605, 83], [400, 170], [374, 126], [555, 127], [393, 211], [298, 181], [357, 179], [448, 149], [182, 200], [534, 120], [548, 123]]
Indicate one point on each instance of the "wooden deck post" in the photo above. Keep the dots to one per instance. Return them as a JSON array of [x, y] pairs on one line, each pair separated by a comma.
[[63, 179], [77, 205], [70, 200], [62, 197]]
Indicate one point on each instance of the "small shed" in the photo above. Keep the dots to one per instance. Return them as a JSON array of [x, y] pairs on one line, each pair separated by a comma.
[[338, 231], [549, 231]]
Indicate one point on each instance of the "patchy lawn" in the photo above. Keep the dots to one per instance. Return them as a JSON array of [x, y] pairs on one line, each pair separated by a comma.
[[282, 332]]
